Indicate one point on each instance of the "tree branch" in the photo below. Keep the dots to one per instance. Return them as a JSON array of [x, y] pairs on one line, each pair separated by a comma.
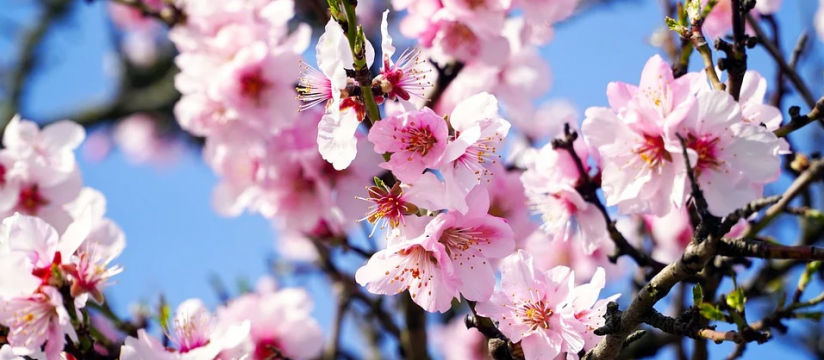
[[765, 250]]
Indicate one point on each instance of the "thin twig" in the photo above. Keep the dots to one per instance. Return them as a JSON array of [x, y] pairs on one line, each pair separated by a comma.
[[798, 83], [805, 179]]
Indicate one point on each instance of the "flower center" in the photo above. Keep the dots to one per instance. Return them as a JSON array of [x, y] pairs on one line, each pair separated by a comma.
[[653, 152], [475, 4], [267, 349], [388, 206], [313, 88], [535, 314], [31, 200], [480, 153], [252, 85], [707, 148], [418, 139], [192, 331], [458, 240], [416, 270]]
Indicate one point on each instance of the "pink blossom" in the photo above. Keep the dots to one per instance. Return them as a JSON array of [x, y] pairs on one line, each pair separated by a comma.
[[456, 342], [139, 138], [547, 120], [545, 12], [531, 308], [753, 90], [471, 240], [549, 254], [336, 131], [405, 78], [419, 264], [479, 130], [279, 319], [550, 183], [34, 249], [508, 201], [468, 39], [193, 333], [416, 140], [588, 310], [719, 21], [49, 152], [767, 7], [733, 159], [642, 167], [130, 18], [37, 319], [91, 268], [257, 87], [419, 23]]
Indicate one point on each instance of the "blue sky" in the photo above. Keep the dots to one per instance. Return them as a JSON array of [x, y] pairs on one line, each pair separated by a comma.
[[176, 241]]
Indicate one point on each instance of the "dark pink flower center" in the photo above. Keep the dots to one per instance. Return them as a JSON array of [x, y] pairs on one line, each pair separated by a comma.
[[707, 148], [268, 349], [536, 314], [653, 152], [31, 200], [389, 205], [417, 139], [252, 85]]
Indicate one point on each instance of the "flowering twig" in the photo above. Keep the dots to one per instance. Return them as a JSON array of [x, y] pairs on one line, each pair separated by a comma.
[[587, 189], [356, 43]]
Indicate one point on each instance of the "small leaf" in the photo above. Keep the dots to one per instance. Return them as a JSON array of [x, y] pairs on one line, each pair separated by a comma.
[[674, 25], [697, 294], [736, 300], [379, 183], [710, 312]]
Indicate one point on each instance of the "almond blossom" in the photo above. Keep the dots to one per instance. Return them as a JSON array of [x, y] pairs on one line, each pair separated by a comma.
[[405, 78], [279, 319], [550, 183], [35, 248], [642, 166], [470, 240], [479, 131], [419, 264], [532, 308], [193, 333], [37, 320], [417, 140], [734, 159]]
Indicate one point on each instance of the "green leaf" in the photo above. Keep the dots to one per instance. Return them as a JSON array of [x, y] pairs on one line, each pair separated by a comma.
[[710, 311], [674, 25], [736, 300], [379, 183], [164, 315], [697, 294], [815, 215], [807, 275]]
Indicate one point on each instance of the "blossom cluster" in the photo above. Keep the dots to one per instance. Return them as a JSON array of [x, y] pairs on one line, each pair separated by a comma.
[[254, 326], [56, 245], [238, 62]]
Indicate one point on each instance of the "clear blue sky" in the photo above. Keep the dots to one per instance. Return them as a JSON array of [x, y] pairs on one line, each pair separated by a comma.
[[176, 241]]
